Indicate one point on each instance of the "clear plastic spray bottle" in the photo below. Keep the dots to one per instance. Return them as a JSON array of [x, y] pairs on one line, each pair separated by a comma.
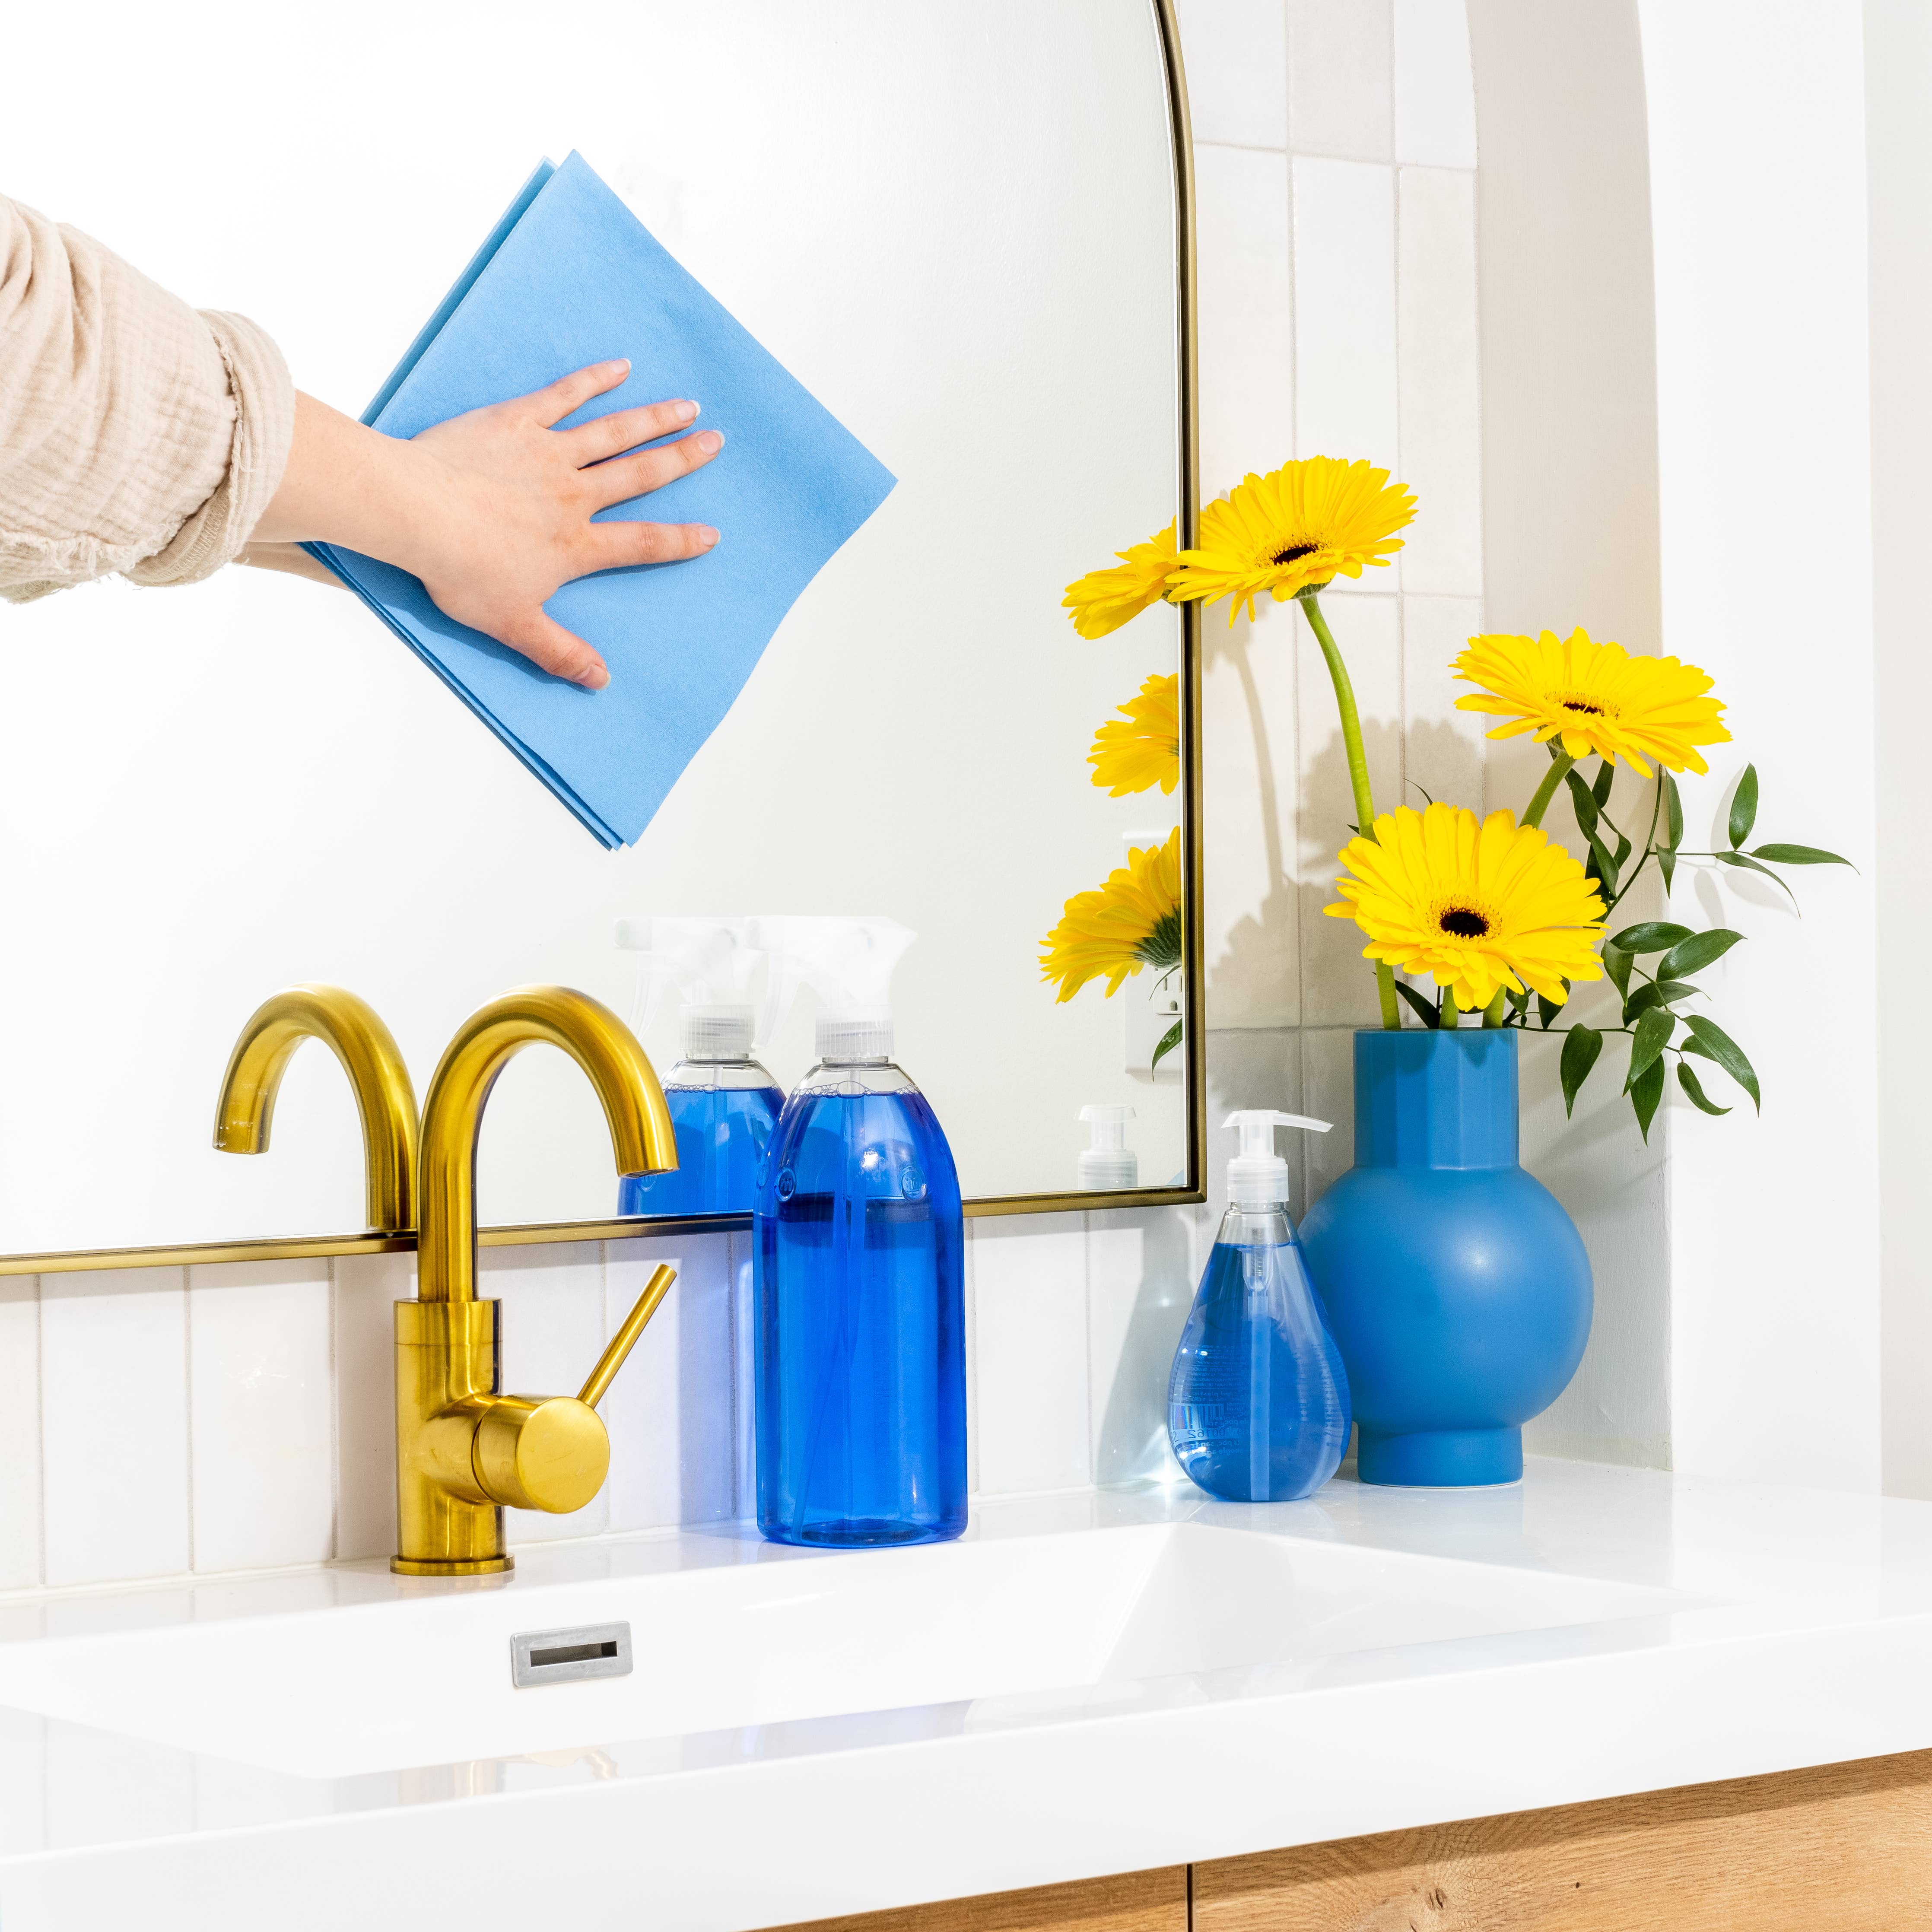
[[723, 1103], [859, 1279], [1258, 1401]]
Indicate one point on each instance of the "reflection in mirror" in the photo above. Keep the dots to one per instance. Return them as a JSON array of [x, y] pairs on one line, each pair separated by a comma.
[[955, 224]]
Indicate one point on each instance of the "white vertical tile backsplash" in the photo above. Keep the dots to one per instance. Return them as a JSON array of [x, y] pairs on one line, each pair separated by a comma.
[[367, 1287], [1030, 1346], [1252, 783], [20, 1432], [1341, 94], [1435, 89], [550, 1332], [1441, 458], [114, 1432], [673, 1411], [261, 1421], [1140, 1280], [1335, 144], [1345, 377], [1246, 299]]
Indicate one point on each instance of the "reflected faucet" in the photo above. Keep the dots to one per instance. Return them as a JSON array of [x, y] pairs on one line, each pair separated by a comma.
[[464, 1451], [350, 1028]]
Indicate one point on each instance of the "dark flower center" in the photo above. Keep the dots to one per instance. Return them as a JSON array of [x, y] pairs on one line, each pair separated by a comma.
[[1584, 705], [1464, 923], [1293, 553]]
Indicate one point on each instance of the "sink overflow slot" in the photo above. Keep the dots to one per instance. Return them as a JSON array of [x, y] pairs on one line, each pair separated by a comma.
[[569, 1656]]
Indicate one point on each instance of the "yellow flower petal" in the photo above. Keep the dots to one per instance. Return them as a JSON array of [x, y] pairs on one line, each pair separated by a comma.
[[1597, 699], [1476, 903], [1144, 751], [1104, 600], [1299, 526], [1132, 921]]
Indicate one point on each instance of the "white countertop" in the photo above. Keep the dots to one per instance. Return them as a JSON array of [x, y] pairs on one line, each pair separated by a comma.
[[830, 1733]]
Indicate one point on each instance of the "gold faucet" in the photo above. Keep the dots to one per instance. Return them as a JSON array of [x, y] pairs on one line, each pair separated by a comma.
[[463, 1451], [348, 1026]]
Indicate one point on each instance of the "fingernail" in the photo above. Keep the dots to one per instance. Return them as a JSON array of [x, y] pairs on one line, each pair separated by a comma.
[[683, 412], [706, 535], [711, 442], [595, 679], [623, 363]]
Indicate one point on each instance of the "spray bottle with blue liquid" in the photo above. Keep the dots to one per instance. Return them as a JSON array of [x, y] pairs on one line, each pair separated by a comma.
[[1258, 1401], [723, 1103], [859, 1273]]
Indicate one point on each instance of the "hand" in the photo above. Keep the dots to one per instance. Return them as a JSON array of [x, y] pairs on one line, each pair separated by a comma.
[[493, 509]]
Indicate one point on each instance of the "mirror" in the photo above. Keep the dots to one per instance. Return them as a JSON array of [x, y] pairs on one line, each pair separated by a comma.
[[955, 223]]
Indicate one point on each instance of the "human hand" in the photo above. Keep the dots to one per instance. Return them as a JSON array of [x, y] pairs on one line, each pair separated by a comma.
[[493, 509]]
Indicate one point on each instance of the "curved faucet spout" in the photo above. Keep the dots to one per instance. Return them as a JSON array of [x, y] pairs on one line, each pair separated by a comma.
[[600, 1043], [350, 1028]]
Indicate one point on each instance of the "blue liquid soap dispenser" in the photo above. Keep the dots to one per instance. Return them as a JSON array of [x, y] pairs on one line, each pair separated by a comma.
[[1258, 1401], [859, 1277], [723, 1103]]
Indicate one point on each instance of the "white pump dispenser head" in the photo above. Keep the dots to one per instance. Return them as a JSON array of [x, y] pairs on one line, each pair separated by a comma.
[[711, 962], [1109, 1161], [1258, 1176]]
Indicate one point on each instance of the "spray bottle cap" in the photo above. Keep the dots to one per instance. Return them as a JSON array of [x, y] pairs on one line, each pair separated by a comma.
[[711, 962], [1258, 1176], [1109, 1161]]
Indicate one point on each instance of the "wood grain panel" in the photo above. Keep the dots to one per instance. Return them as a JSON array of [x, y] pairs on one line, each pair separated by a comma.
[[1148, 1901], [1844, 1848]]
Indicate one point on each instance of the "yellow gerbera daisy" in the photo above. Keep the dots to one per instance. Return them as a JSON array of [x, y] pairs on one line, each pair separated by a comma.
[[1597, 697], [1479, 904], [1132, 921], [1144, 750], [1103, 600], [1294, 529]]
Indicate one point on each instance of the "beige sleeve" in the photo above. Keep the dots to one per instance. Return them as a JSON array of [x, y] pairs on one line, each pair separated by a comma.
[[136, 434]]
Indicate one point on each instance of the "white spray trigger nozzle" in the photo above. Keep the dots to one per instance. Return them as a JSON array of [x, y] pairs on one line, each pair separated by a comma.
[[1258, 1176]]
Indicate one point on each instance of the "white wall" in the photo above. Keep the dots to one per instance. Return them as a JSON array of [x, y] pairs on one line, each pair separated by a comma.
[[1898, 82], [1571, 536], [1758, 180]]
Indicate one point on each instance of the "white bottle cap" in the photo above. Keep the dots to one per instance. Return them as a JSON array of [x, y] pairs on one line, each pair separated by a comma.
[[1109, 1161], [717, 1033], [1258, 1176], [853, 1035]]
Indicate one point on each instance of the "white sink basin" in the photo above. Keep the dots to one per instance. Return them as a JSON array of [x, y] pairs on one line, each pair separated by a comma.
[[753, 1637]]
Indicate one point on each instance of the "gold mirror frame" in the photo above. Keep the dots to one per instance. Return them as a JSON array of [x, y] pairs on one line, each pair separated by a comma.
[[1194, 1004]]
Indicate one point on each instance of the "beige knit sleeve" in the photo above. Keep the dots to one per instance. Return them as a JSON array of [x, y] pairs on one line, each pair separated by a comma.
[[136, 434]]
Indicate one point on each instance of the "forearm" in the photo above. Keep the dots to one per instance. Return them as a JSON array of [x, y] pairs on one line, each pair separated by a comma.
[[348, 485]]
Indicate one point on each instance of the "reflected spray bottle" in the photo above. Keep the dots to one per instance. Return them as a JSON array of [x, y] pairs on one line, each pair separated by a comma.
[[1258, 1401]]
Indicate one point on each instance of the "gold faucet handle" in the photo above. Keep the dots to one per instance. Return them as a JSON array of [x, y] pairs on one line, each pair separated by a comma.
[[553, 1453], [622, 1343]]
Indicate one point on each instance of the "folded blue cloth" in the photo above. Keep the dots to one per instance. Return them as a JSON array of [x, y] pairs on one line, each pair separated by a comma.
[[570, 277]]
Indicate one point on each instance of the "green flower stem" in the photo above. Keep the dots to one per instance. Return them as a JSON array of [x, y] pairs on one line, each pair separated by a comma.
[[1492, 1014], [1452, 1014], [1560, 762], [1358, 775]]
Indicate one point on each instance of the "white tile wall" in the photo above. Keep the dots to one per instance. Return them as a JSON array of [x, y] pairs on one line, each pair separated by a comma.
[[151, 1422]]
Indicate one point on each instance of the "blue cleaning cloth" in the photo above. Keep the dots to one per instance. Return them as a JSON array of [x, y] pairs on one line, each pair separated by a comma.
[[570, 277]]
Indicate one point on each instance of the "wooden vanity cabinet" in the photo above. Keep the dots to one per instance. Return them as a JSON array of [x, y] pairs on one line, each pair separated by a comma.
[[1841, 1848]]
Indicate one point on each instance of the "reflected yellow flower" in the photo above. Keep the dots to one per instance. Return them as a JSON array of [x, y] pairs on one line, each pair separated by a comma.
[[1103, 600], [1294, 529], [1141, 748], [1478, 905], [1132, 921], [1597, 698]]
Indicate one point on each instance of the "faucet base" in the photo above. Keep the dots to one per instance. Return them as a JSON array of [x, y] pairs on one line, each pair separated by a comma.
[[480, 1566]]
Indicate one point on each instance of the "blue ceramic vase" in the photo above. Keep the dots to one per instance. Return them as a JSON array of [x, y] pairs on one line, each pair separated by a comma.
[[1456, 1286]]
